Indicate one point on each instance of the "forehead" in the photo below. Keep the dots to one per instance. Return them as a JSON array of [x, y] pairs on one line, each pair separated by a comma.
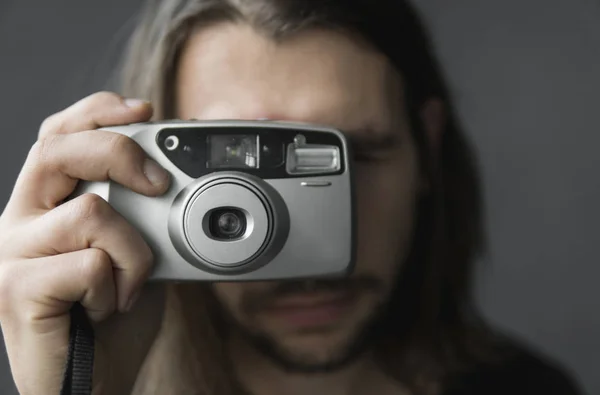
[[231, 71]]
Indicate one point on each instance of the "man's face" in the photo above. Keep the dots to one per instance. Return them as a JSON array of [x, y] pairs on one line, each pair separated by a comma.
[[229, 71]]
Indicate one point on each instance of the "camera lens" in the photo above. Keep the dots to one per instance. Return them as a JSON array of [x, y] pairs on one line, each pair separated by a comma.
[[227, 224]]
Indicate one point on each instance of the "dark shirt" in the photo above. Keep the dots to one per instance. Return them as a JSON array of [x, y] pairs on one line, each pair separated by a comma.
[[526, 373]]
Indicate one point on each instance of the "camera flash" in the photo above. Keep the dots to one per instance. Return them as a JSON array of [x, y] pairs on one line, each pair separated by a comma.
[[312, 159]]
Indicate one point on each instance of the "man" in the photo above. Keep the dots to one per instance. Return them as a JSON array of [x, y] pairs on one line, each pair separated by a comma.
[[402, 323]]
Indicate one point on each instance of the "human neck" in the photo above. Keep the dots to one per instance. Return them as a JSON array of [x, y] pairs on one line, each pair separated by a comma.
[[260, 376]]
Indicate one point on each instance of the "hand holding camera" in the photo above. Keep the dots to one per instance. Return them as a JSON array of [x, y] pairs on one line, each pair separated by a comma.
[[94, 216], [53, 253]]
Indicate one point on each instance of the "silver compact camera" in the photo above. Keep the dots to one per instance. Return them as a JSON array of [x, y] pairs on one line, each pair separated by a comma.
[[249, 200]]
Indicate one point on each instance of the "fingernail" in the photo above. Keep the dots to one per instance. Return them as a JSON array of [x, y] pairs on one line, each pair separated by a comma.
[[132, 301], [155, 173], [134, 103]]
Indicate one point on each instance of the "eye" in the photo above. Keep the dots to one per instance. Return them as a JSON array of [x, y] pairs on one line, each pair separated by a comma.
[[375, 154], [361, 157], [374, 147], [370, 157]]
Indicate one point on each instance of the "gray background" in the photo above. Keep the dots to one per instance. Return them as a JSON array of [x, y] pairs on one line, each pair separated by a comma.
[[525, 74]]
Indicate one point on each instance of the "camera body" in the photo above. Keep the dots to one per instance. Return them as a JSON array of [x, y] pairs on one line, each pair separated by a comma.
[[249, 200]]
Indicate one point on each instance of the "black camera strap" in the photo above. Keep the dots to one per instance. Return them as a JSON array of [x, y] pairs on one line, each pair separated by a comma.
[[79, 369]]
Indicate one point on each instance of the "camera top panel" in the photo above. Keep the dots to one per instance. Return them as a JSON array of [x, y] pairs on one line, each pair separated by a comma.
[[266, 150]]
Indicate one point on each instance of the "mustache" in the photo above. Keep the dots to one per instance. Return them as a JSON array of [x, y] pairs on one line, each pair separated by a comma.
[[256, 300]]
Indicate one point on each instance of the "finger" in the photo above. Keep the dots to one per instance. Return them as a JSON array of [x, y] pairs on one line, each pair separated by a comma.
[[42, 292], [55, 164], [95, 111], [48, 286], [90, 222]]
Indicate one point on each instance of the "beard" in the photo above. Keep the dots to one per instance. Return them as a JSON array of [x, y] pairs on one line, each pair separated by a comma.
[[359, 338]]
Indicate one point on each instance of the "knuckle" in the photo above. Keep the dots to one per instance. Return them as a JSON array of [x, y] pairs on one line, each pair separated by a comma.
[[90, 207], [52, 125], [146, 260], [96, 267], [123, 145], [41, 151]]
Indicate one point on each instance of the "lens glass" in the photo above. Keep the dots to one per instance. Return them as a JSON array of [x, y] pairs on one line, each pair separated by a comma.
[[227, 224]]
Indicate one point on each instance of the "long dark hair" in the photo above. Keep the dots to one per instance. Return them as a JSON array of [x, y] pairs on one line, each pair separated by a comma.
[[433, 329]]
